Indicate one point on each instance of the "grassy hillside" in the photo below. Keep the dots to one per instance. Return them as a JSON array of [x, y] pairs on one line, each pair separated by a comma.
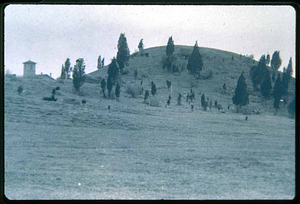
[[224, 69]]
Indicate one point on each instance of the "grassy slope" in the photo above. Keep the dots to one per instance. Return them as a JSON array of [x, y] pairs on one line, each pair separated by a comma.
[[223, 72], [154, 133]]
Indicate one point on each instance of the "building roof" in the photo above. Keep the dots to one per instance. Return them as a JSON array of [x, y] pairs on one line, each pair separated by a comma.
[[29, 62]]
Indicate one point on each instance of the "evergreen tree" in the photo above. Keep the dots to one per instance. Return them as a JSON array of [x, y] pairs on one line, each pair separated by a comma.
[[113, 70], [170, 47], [289, 69], [153, 88], [268, 59], [109, 85], [276, 60], [63, 73], [291, 108], [103, 86], [285, 82], [266, 86], [68, 68], [79, 74], [195, 63], [102, 62], [277, 92], [286, 76], [123, 52], [141, 47], [179, 99], [257, 73], [241, 95], [203, 100], [117, 92], [99, 62]]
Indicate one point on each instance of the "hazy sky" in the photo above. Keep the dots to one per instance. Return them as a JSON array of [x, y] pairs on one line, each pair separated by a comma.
[[49, 34]]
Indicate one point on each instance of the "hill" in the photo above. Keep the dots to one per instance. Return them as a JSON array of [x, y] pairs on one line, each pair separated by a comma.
[[69, 150], [224, 70]]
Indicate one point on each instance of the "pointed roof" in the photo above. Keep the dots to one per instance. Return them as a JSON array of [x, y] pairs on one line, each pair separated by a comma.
[[29, 62]]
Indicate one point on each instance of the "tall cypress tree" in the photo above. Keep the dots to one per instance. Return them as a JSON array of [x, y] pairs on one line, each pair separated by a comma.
[[276, 61], [109, 86], [117, 92], [266, 86], [113, 70], [153, 88], [289, 68], [68, 68], [99, 62], [203, 101], [141, 47], [123, 53], [170, 47], [241, 96], [103, 86], [277, 92], [79, 74], [63, 73], [286, 76], [257, 73], [268, 59], [195, 63]]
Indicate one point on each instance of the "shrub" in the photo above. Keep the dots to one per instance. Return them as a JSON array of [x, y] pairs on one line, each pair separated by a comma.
[[83, 101], [20, 89], [147, 54], [49, 98]]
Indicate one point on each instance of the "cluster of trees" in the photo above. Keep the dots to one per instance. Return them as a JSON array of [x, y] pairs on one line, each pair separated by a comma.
[[66, 70], [100, 62], [78, 73], [260, 76], [115, 68], [195, 63]]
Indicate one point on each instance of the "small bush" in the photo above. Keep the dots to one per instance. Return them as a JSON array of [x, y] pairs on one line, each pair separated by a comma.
[[154, 102], [147, 54], [20, 89], [49, 98], [83, 101], [57, 88]]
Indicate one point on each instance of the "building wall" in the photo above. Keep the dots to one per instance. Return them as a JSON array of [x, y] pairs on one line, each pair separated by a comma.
[[29, 70]]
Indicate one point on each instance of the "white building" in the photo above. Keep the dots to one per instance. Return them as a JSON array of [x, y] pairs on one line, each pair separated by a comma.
[[29, 68]]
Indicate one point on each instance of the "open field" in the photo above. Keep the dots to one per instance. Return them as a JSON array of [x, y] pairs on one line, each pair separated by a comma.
[[128, 154]]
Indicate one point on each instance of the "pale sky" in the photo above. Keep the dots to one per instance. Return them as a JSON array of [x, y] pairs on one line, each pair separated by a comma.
[[49, 34]]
